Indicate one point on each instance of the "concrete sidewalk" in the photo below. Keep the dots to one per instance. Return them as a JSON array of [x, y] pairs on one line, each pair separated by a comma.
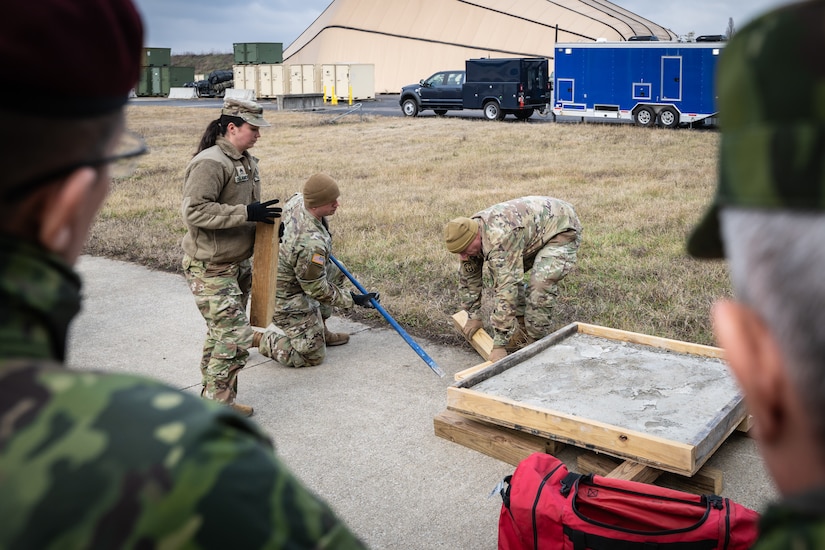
[[358, 429]]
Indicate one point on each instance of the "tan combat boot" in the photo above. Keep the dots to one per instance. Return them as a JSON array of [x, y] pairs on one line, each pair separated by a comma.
[[335, 338], [243, 410], [519, 339]]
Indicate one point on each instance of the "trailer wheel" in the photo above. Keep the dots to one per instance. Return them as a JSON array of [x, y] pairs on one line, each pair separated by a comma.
[[492, 111], [409, 107], [523, 114], [669, 117], [440, 112], [644, 117]]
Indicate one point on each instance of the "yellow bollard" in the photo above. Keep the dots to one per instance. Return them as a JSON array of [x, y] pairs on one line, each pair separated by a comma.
[[334, 97], [350, 95], [325, 94]]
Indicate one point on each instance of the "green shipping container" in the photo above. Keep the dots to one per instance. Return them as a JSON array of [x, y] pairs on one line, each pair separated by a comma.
[[157, 57], [240, 53], [156, 81], [144, 87], [258, 53], [178, 76]]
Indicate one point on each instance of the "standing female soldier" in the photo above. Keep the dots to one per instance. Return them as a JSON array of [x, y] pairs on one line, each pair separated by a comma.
[[221, 202]]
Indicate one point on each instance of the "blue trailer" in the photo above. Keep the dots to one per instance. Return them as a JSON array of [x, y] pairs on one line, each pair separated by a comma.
[[670, 83]]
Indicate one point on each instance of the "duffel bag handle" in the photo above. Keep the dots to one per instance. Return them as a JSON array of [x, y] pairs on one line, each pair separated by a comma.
[[571, 479]]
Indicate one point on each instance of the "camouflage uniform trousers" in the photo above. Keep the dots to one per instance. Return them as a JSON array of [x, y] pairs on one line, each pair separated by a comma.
[[302, 343], [537, 298], [221, 293]]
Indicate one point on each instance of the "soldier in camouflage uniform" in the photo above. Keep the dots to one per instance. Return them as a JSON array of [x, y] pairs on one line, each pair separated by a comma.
[[88, 459], [309, 284], [536, 234], [221, 203], [768, 220]]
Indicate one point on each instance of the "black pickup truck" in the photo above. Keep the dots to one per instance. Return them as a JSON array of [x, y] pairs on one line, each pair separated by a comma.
[[499, 87]]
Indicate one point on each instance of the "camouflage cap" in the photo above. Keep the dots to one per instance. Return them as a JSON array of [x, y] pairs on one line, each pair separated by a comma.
[[249, 111], [771, 88]]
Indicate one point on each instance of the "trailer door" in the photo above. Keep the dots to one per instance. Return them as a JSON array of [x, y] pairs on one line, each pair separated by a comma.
[[565, 90], [671, 78]]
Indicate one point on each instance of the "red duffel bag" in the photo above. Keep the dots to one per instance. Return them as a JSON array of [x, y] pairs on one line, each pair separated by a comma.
[[546, 507]]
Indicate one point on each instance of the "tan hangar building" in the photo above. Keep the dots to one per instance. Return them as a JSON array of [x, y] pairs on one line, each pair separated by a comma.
[[407, 40]]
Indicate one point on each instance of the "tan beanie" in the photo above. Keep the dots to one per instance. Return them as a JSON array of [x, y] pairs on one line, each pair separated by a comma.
[[320, 189], [459, 233]]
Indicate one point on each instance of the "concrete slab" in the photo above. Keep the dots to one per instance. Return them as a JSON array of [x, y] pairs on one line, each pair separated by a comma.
[[358, 429], [679, 405]]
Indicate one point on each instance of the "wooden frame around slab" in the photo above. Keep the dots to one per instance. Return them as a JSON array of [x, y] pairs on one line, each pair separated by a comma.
[[664, 454]]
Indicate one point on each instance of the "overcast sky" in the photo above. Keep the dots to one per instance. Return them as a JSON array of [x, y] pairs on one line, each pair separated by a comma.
[[212, 26]]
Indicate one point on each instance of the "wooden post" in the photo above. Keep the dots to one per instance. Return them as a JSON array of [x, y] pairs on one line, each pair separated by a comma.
[[264, 274]]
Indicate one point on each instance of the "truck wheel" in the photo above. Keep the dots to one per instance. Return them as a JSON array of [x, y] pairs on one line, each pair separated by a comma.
[[644, 117], [669, 117], [523, 114], [440, 112], [492, 111], [409, 107]]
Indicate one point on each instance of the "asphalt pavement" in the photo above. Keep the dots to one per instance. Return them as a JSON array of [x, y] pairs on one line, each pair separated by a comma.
[[382, 105], [357, 429]]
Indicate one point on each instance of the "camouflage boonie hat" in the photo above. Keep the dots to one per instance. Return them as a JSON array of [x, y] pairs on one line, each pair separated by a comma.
[[249, 111], [771, 88]]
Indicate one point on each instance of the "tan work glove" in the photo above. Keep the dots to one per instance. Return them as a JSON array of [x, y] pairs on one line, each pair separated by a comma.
[[496, 354], [472, 326]]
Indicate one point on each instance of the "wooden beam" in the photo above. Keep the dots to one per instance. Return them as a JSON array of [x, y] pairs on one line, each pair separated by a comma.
[[264, 274], [653, 341], [633, 471], [744, 426], [603, 465], [586, 433], [481, 341], [510, 446], [461, 375]]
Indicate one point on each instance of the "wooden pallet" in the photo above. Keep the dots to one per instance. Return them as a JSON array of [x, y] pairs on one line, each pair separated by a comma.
[[513, 446], [491, 427]]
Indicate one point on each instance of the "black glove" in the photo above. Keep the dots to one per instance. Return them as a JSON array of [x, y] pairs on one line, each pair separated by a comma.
[[363, 300], [281, 232], [263, 212]]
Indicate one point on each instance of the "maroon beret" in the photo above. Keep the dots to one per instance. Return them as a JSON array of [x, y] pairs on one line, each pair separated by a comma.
[[71, 58]]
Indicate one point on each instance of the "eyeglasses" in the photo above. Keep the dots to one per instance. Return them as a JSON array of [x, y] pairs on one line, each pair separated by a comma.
[[121, 165]]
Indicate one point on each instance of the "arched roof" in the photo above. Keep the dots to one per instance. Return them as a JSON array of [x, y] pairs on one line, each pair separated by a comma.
[[408, 40]]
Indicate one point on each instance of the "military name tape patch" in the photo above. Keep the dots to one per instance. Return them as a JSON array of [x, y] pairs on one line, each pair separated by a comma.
[[318, 259]]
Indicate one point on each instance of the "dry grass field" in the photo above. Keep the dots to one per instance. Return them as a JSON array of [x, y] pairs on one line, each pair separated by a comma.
[[637, 191]]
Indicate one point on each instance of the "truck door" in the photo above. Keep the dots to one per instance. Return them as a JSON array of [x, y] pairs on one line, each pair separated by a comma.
[[671, 78], [443, 88]]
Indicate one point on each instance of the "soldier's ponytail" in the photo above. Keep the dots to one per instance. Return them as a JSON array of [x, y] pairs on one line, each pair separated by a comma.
[[217, 128]]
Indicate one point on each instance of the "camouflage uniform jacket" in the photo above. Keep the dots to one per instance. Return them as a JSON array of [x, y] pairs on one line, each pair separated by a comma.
[[218, 185], [797, 522], [512, 233], [302, 263], [95, 460]]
